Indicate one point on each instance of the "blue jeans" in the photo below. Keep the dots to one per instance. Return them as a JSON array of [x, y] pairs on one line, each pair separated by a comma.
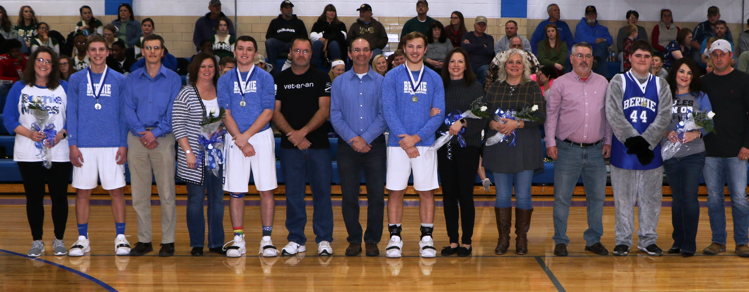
[[573, 161], [351, 166], [212, 188], [272, 48], [481, 74], [522, 181], [376, 52], [683, 176], [733, 171], [334, 52], [601, 50], [315, 166]]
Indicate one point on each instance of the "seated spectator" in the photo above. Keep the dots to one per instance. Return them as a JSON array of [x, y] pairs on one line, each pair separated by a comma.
[[631, 31], [88, 24], [228, 63], [260, 63], [80, 60], [589, 31], [206, 46], [109, 33], [704, 30], [128, 29], [205, 26], [437, 46], [511, 31], [721, 27], [706, 53], [12, 63], [552, 51], [337, 67], [455, 30], [7, 31], [26, 27], [678, 48], [399, 58], [621, 36], [743, 40], [564, 33], [328, 36], [709, 69], [42, 39], [657, 67], [222, 41], [419, 23], [516, 43], [369, 29], [545, 78], [282, 31], [665, 31], [147, 26], [118, 60], [380, 64], [492, 73], [480, 48], [168, 60], [66, 67]]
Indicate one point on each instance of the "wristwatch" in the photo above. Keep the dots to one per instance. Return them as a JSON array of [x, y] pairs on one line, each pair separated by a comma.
[[64, 134], [463, 121]]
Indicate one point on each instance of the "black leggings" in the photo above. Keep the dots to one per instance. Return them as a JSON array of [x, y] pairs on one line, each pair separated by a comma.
[[458, 177], [34, 175]]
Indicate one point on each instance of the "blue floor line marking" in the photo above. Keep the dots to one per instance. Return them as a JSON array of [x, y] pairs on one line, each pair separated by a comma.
[[550, 274], [79, 273]]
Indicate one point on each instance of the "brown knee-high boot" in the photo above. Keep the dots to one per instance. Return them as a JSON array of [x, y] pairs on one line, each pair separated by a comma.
[[522, 224], [504, 221]]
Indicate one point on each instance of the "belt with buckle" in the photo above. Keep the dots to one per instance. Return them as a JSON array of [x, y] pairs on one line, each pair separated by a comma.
[[150, 128], [583, 145]]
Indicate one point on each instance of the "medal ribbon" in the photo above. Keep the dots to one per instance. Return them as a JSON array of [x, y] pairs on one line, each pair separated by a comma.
[[243, 85], [414, 83], [103, 79]]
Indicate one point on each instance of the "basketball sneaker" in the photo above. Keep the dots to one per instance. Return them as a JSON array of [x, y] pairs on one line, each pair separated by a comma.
[[293, 248], [80, 247], [267, 249], [121, 245], [426, 247], [236, 247], [324, 249], [393, 250]]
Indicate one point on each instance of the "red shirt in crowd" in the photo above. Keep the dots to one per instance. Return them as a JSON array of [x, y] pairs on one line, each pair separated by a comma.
[[12, 69]]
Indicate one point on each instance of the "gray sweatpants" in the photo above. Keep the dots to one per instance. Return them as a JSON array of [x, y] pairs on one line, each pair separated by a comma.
[[644, 187]]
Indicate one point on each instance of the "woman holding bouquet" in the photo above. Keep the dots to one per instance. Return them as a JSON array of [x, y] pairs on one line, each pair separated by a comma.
[[41, 85], [194, 102], [683, 170], [457, 164], [514, 161]]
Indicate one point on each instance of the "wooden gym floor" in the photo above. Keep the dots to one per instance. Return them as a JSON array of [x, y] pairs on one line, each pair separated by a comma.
[[540, 270]]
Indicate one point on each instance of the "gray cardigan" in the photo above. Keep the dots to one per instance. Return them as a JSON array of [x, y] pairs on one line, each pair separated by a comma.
[[437, 51], [187, 114]]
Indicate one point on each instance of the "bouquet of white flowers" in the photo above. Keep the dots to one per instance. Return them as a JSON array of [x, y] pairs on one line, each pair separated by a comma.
[[211, 141], [45, 124], [526, 114], [695, 121], [478, 110]]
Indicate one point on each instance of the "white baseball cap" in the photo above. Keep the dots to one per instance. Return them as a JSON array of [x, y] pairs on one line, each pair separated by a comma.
[[722, 45]]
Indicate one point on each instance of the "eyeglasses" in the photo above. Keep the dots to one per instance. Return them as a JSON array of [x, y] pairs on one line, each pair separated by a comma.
[[64, 64], [580, 56], [81, 43], [365, 50], [43, 28], [45, 61], [304, 52], [152, 48]]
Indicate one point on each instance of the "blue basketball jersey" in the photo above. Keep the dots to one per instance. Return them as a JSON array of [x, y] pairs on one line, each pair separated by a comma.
[[640, 104]]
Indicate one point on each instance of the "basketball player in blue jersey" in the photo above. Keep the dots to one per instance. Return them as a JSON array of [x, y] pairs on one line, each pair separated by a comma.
[[638, 107]]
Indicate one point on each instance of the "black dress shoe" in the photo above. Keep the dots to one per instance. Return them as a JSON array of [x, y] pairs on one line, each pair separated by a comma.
[[686, 254], [560, 250], [218, 250], [141, 248], [674, 250], [464, 252], [448, 250], [597, 248], [354, 249], [197, 251], [372, 250], [167, 250]]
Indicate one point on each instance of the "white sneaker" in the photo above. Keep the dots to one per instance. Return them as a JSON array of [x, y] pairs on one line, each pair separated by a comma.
[[393, 250], [267, 249], [80, 247], [235, 247], [324, 249], [293, 248], [426, 247], [121, 245]]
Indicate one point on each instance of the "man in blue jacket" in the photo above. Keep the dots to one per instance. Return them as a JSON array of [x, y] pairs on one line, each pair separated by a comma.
[[589, 31], [204, 27], [564, 31]]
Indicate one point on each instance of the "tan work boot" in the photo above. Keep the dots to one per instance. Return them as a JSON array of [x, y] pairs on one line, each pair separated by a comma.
[[715, 248], [742, 250]]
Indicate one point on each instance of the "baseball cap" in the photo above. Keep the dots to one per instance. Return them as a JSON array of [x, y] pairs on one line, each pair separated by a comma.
[[286, 2], [590, 9], [713, 10], [423, 1], [364, 7], [480, 19], [259, 59], [722, 45], [214, 3]]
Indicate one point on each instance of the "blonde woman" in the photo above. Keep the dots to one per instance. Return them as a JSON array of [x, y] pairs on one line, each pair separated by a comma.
[[337, 67], [380, 64]]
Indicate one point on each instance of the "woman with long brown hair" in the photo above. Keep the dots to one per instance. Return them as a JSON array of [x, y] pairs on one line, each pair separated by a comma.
[[328, 36], [552, 51], [88, 24], [7, 30], [26, 25], [66, 67], [454, 31]]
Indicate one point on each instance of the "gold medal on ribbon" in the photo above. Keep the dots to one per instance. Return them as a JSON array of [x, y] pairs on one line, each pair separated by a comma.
[[414, 99], [242, 103]]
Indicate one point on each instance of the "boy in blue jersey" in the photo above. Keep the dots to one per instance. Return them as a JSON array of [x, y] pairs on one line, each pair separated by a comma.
[[409, 92], [638, 108], [98, 141], [247, 94]]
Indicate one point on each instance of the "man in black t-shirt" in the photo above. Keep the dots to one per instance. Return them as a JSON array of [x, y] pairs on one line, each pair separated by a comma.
[[282, 31], [727, 150], [301, 113]]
